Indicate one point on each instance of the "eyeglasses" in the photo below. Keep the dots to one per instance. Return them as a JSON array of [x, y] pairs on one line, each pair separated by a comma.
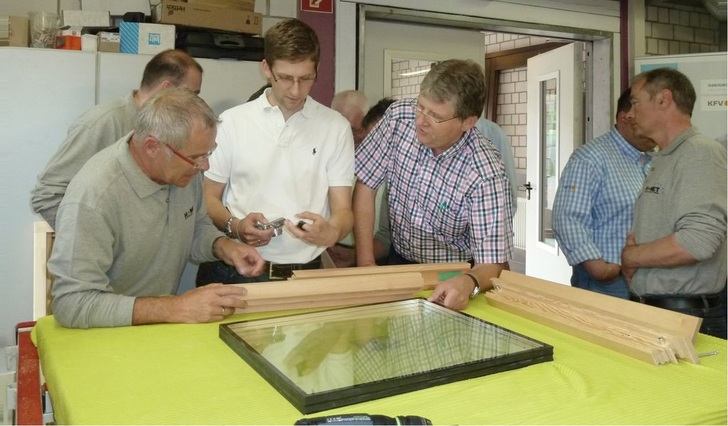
[[197, 162], [287, 81], [430, 118]]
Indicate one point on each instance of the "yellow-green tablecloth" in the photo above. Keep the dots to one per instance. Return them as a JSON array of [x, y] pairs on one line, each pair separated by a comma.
[[184, 374]]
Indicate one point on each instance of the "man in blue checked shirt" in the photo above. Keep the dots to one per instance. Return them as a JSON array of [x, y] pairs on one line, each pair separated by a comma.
[[449, 197], [594, 202]]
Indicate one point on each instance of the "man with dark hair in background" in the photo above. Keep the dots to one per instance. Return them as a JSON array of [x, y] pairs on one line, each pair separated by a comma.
[[594, 202], [104, 124]]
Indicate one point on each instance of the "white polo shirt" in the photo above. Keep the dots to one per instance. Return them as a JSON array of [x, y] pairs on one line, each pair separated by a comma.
[[282, 168]]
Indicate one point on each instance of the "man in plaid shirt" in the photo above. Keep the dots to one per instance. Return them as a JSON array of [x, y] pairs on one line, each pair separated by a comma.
[[449, 197]]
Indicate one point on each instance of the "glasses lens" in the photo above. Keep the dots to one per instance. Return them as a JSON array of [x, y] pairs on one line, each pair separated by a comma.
[[288, 81]]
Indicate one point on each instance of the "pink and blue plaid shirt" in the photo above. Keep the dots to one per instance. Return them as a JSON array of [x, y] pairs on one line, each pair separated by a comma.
[[452, 207]]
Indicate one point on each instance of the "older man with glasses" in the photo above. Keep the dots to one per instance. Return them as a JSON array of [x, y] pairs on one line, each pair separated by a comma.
[[281, 177], [134, 215], [449, 197]]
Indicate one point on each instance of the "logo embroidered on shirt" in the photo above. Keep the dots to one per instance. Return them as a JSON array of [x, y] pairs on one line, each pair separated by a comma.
[[442, 206], [189, 212], [313, 151], [653, 189]]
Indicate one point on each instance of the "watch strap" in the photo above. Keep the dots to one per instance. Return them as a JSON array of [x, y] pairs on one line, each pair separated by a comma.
[[229, 227], [476, 289]]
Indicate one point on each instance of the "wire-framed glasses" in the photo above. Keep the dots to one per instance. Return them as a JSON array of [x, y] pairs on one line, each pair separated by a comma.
[[287, 81], [433, 119]]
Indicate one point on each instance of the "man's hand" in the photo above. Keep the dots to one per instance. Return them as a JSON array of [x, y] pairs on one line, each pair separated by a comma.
[[246, 259], [627, 252], [247, 233], [314, 230], [213, 302], [601, 270], [453, 293]]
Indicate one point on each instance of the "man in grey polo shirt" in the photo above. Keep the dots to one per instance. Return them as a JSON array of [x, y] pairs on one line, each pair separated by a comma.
[[676, 257], [134, 215]]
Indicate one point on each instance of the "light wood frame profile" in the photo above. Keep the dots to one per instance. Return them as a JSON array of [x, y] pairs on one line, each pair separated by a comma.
[[641, 331]]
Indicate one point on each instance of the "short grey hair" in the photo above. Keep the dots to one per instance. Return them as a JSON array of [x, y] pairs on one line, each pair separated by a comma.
[[348, 99], [460, 81], [170, 114]]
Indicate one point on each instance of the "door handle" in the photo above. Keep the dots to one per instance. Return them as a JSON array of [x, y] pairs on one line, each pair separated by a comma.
[[528, 189]]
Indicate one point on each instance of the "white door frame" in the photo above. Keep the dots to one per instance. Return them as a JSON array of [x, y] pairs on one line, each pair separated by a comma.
[[562, 71]]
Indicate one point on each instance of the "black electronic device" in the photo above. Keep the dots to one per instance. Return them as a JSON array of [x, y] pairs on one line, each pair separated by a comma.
[[364, 419], [218, 45]]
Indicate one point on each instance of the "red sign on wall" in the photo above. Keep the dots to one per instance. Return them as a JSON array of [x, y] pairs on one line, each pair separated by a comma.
[[321, 6]]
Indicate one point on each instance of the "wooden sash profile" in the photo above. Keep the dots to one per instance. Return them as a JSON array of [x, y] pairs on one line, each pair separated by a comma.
[[641, 331], [430, 271], [317, 288]]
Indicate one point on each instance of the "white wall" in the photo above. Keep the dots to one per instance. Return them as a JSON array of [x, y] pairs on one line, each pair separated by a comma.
[[435, 41], [536, 17]]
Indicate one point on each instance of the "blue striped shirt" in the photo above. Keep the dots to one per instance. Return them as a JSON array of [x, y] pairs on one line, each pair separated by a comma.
[[447, 208], [595, 199]]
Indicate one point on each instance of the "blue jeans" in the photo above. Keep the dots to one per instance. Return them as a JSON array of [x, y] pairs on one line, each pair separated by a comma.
[[617, 287]]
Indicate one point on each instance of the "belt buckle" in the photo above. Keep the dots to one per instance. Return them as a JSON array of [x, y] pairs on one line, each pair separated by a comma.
[[272, 272]]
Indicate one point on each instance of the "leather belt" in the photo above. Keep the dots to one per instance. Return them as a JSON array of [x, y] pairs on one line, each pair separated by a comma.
[[680, 302], [283, 271]]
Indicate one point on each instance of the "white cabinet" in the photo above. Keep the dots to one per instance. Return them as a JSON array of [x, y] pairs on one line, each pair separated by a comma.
[[42, 91]]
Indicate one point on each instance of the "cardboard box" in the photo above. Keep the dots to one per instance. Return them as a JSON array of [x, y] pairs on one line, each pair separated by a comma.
[[205, 16], [109, 42], [14, 31], [146, 38], [89, 43], [244, 5], [117, 7], [86, 18], [68, 42], [18, 31]]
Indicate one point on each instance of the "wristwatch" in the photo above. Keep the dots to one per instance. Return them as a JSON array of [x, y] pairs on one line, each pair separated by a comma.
[[229, 227], [476, 289]]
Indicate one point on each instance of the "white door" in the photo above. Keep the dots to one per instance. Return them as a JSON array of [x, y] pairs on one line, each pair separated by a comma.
[[555, 127]]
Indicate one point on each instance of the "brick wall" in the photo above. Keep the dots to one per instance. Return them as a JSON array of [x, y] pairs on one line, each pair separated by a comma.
[[512, 96], [668, 30], [408, 86], [680, 30], [511, 114]]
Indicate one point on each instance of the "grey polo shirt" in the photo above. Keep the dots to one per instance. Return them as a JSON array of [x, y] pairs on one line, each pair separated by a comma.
[[121, 235], [685, 194]]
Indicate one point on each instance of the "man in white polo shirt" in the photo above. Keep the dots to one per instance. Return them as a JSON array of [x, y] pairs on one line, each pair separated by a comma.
[[282, 155]]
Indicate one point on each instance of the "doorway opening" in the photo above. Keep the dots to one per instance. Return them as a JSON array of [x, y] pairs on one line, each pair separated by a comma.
[[505, 69]]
